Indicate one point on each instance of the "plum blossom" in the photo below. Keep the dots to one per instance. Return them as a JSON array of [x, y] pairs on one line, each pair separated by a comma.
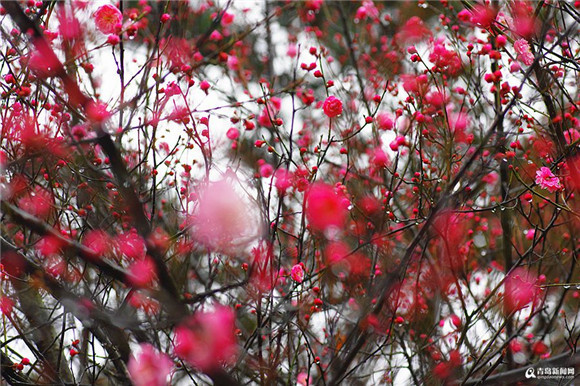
[[367, 9], [97, 112], [378, 158], [522, 48], [547, 180], [571, 136], [332, 107], [131, 245], [447, 60], [69, 26], [142, 272], [297, 273], [530, 234], [519, 290], [413, 31], [224, 221], [483, 16], [108, 18], [283, 180], [273, 106], [207, 339], [266, 170], [303, 379], [324, 209], [385, 121], [6, 305], [38, 202], [149, 367], [233, 133], [43, 62]]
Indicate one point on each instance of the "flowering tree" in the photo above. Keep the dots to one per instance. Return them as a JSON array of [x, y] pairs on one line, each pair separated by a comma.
[[287, 192]]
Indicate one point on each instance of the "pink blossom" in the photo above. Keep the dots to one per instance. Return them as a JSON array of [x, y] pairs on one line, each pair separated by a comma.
[[6, 305], [458, 122], [216, 35], [378, 158], [335, 252], [233, 63], [266, 170], [224, 221], [149, 367], [292, 50], [505, 21], [68, 25], [399, 141], [283, 180], [445, 59], [113, 39], [384, 121], [515, 67], [49, 245], [172, 89], [324, 209], [367, 9], [98, 241], [273, 106], [233, 133], [414, 84], [547, 180], [483, 16], [413, 31], [131, 245], [204, 86], [97, 112], [142, 272], [313, 5], [571, 136], [530, 233], [297, 273], [227, 18], [332, 106], [108, 19], [522, 48], [436, 98], [43, 62], [207, 340], [38, 202], [519, 290], [303, 379], [464, 15]]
